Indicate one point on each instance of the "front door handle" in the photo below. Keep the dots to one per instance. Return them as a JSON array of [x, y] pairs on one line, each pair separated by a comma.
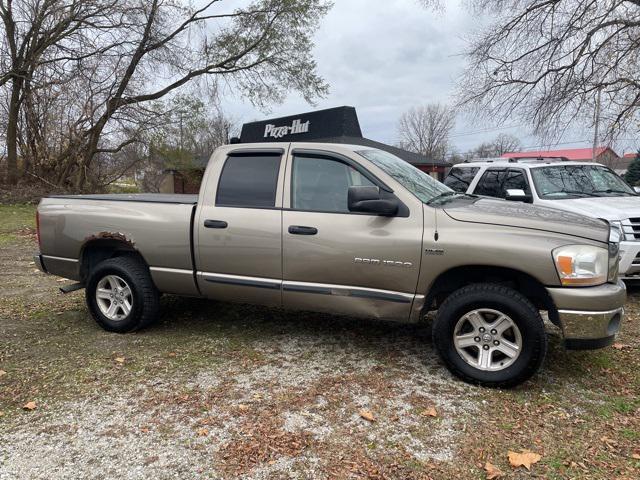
[[215, 224], [300, 230]]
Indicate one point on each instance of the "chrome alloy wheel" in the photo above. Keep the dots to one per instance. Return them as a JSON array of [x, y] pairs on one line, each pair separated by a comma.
[[114, 297], [487, 339]]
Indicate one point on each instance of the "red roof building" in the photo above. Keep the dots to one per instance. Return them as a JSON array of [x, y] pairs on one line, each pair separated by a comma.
[[604, 155]]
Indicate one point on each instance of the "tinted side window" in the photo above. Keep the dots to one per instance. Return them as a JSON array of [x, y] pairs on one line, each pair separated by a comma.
[[515, 179], [320, 184], [249, 181], [491, 183], [460, 178]]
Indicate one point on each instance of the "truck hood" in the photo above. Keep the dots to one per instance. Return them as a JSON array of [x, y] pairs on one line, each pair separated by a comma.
[[523, 215], [610, 208]]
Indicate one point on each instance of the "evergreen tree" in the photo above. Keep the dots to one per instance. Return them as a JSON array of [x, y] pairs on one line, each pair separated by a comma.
[[632, 176]]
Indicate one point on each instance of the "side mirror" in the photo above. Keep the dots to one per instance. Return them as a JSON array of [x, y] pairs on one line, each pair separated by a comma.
[[368, 200], [518, 195], [636, 189]]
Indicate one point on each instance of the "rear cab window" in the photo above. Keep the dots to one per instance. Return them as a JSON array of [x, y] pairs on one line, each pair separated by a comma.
[[249, 181], [459, 178]]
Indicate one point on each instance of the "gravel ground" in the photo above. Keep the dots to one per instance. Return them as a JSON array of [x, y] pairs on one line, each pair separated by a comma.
[[231, 391]]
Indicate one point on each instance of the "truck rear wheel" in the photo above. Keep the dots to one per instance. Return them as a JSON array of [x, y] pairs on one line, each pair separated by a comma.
[[121, 295], [490, 335]]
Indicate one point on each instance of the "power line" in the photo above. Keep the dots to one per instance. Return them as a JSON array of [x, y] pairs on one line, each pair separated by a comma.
[[484, 130]]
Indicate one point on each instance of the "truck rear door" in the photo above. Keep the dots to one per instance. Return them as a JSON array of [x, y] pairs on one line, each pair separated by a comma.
[[239, 228]]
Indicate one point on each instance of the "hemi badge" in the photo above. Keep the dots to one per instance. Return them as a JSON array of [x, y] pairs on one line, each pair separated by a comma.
[[434, 251]]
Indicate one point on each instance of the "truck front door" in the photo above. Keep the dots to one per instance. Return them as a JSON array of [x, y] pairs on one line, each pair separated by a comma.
[[239, 228], [343, 262]]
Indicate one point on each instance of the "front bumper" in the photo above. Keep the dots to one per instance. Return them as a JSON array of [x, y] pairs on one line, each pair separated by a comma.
[[590, 317]]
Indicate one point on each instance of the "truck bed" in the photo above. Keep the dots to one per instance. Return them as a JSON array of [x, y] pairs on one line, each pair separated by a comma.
[[182, 199], [157, 226]]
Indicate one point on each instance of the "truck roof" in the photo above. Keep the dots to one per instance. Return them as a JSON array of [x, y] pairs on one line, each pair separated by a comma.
[[310, 145]]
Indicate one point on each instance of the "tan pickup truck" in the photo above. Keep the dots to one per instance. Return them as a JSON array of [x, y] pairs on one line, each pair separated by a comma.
[[348, 230]]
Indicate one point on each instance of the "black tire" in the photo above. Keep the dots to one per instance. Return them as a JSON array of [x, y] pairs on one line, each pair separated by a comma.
[[145, 306], [508, 301]]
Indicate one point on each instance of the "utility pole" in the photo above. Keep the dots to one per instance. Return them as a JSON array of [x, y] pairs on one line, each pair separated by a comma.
[[181, 145], [596, 132]]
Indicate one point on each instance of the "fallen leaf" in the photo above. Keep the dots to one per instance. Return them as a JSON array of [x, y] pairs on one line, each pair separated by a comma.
[[492, 471], [150, 460], [608, 442], [144, 429], [172, 354], [243, 408], [2, 373], [523, 459], [119, 359], [203, 432], [367, 415], [636, 456], [620, 346], [429, 412], [1, 414], [29, 406]]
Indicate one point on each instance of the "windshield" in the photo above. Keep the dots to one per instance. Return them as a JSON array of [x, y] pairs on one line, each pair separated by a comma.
[[416, 181], [573, 181]]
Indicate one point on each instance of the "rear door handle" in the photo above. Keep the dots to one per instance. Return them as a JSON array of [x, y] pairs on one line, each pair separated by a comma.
[[215, 224], [300, 230]]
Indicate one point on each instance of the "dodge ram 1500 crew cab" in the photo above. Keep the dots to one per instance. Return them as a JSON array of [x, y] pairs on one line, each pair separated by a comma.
[[347, 230]]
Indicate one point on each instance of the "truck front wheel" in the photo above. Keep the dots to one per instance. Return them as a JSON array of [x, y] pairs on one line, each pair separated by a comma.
[[490, 335], [121, 295]]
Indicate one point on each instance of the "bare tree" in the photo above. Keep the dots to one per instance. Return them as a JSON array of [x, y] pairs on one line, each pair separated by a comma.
[[546, 61], [32, 28], [506, 143], [111, 63], [503, 143], [484, 150], [191, 129], [426, 129]]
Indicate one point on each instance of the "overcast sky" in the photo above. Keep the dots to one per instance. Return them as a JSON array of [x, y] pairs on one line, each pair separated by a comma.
[[383, 58]]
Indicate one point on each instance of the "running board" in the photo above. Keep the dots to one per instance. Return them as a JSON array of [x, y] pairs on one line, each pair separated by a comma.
[[72, 288]]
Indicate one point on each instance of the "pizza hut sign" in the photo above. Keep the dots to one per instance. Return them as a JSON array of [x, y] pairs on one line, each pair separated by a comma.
[[278, 132]]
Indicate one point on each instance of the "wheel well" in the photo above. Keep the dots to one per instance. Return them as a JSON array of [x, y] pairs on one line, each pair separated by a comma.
[[456, 278], [96, 251]]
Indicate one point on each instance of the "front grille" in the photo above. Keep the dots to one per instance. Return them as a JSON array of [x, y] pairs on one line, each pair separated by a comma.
[[631, 228]]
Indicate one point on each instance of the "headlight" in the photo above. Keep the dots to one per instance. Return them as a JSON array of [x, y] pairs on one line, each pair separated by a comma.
[[616, 226], [581, 265], [616, 234]]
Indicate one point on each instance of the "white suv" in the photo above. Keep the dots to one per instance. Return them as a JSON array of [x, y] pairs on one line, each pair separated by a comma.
[[587, 188]]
